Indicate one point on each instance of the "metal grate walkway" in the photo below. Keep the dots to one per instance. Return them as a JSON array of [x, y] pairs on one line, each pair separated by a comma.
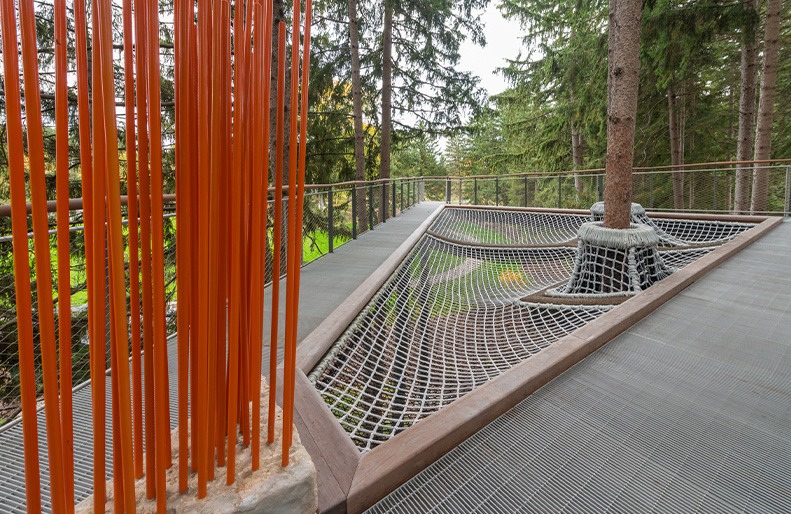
[[688, 411], [325, 283]]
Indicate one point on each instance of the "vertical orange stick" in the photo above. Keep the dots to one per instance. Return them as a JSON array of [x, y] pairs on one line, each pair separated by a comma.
[[141, 47], [184, 163], [35, 138], [204, 171], [64, 254], [195, 202], [247, 189], [279, 123], [98, 345], [95, 296], [214, 227], [234, 297], [267, 128], [262, 55], [134, 253], [226, 204], [294, 246], [288, 403], [24, 308], [161, 389], [103, 60]]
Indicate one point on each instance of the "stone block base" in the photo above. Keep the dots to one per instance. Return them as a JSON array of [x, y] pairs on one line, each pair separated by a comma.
[[270, 489]]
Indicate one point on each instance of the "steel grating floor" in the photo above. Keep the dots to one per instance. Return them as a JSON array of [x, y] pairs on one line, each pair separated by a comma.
[[688, 411], [349, 266]]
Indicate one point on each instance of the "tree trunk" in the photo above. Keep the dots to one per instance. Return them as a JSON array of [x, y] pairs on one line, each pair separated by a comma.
[[675, 150], [576, 154], [357, 108], [763, 130], [623, 81], [387, 90], [744, 150]]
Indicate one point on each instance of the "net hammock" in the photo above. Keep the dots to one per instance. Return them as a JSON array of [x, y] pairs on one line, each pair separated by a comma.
[[452, 315]]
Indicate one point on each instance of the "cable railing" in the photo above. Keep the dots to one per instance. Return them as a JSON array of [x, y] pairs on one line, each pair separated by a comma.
[[333, 215], [708, 187]]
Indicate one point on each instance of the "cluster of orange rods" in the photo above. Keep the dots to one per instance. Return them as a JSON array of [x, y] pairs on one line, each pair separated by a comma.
[[222, 81]]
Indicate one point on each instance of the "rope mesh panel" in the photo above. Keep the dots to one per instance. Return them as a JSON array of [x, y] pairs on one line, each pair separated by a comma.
[[701, 232], [450, 317], [513, 228]]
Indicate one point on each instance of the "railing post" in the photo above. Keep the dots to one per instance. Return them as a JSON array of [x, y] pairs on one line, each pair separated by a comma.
[[393, 187], [560, 191], [402, 194], [461, 189], [371, 206], [475, 191], [496, 191], [354, 211], [330, 228], [788, 192], [383, 207], [447, 190], [714, 179], [525, 201], [600, 187]]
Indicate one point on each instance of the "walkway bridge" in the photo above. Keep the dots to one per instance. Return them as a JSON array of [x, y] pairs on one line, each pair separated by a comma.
[[687, 410]]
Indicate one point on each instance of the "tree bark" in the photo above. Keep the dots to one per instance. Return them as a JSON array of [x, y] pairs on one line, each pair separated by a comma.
[[623, 81], [387, 90], [676, 158], [576, 154], [763, 129], [357, 108], [744, 145]]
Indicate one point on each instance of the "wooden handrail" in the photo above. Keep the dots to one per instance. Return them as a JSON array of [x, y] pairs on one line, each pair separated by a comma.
[[668, 167], [75, 204]]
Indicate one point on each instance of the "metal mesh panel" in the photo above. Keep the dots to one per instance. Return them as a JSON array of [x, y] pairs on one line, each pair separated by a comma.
[[450, 317], [9, 377]]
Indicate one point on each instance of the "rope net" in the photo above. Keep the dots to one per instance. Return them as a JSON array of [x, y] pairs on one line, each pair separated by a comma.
[[451, 317]]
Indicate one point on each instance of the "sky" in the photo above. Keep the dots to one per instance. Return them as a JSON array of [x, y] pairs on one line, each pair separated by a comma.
[[503, 41]]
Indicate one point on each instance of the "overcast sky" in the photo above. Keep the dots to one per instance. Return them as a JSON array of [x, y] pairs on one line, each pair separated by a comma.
[[503, 41]]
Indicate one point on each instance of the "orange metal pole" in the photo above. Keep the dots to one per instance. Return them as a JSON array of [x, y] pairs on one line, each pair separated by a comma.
[[215, 234], [195, 202], [279, 123], [161, 389], [35, 139], [288, 403], [259, 212], [141, 47], [227, 202], [24, 308], [292, 264], [247, 190], [92, 261], [103, 60], [204, 172], [134, 253], [98, 348], [234, 298], [267, 80], [64, 254], [184, 163]]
